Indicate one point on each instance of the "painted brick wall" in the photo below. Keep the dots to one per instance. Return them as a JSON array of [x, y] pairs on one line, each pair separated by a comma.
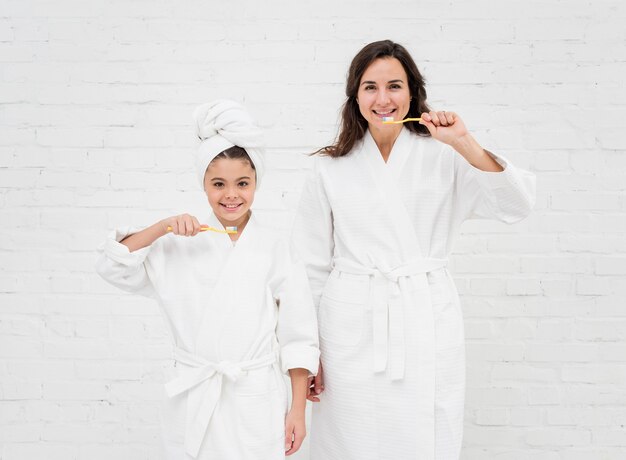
[[95, 107]]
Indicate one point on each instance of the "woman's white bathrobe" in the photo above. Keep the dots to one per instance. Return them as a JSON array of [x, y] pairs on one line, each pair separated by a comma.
[[375, 238], [240, 316]]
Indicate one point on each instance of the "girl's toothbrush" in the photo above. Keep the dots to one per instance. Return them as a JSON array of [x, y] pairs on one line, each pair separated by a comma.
[[390, 120], [229, 230]]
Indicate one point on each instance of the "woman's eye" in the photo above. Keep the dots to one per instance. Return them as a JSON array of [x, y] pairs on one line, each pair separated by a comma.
[[395, 86], [369, 87]]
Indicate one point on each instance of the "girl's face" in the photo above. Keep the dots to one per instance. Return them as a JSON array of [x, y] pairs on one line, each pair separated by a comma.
[[230, 185], [384, 92]]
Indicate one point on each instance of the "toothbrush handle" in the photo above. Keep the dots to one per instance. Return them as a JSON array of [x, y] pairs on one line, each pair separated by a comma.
[[202, 229], [395, 122], [211, 229]]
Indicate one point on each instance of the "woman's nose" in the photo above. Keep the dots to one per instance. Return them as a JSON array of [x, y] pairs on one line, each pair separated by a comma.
[[383, 97]]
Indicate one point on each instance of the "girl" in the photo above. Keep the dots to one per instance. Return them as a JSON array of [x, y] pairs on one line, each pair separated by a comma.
[[237, 304], [376, 225]]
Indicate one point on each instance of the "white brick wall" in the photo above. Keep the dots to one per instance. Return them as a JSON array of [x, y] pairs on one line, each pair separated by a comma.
[[95, 104]]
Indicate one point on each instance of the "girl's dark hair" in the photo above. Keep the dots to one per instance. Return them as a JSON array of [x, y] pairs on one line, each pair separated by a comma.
[[353, 125], [235, 153]]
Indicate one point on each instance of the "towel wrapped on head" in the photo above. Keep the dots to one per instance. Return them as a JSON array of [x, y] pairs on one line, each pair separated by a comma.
[[222, 124]]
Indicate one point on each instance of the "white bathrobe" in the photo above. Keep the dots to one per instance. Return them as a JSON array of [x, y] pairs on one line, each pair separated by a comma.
[[375, 238], [240, 316]]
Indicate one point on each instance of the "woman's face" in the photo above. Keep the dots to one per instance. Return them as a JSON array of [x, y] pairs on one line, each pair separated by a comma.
[[230, 185], [384, 92]]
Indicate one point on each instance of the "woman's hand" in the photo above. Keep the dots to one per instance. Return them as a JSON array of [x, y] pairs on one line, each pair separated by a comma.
[[315, 385], [446, 127], [295, 430], [184, 225]]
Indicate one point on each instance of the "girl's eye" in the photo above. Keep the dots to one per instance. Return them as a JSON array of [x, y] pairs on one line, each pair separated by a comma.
[[218, 184], [243, 183]]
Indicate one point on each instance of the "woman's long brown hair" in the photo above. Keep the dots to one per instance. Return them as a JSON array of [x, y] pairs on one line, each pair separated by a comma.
[[353, 125]]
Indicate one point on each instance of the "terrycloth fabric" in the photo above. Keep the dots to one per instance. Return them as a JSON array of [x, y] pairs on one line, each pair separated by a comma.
[[240, 317], [375, 237], [222, 124]]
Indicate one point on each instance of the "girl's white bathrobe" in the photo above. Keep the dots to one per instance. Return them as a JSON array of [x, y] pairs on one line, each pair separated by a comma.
[[376, 238], [240, 317]]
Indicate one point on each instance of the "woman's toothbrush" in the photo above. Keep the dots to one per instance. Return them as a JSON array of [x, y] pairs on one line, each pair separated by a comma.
[[390, 120], [229, 230]]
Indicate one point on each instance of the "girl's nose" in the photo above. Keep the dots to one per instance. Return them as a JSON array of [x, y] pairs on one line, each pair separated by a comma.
[[231, 192]]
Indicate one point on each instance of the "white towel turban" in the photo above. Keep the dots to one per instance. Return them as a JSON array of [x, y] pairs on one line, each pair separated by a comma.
[[222, 124]]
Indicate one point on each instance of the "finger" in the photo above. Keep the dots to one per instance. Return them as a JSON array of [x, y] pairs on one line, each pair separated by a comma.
[[432, 129], [311, 395], [450, 118], [196, 226], [182, 228], [309, 385], [434, 118], [174, 225], [182, 225], [188, 225], [425, 116], [319, 380], [442, 118], [288, 438], [318, 386], [297, 442]]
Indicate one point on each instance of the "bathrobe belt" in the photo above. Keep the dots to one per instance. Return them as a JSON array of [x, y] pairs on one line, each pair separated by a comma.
[[197, 370], [389, 295]]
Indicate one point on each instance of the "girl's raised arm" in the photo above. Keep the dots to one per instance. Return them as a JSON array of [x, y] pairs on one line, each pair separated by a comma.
[[183, 224]]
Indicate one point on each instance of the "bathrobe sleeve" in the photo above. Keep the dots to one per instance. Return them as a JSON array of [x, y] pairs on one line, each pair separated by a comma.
[[296, 328], [122, 268], [313, 231], [508, 196]]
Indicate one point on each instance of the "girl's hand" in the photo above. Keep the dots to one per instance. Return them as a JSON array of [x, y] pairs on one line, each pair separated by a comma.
[[295, 430], [446, 127], [184, 224], [315, 385]]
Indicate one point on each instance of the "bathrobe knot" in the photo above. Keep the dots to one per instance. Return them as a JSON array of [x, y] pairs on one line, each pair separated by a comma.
[[204, 380], [390, 292], [229, 370]]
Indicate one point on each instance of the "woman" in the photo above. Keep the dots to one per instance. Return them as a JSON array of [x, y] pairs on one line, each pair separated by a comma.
[[376, 225]]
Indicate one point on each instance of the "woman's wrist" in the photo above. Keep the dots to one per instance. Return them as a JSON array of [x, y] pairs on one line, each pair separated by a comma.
[[475, 155], [468, 147]]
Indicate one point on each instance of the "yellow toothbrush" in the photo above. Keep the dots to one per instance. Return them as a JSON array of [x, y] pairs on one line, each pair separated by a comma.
[[229, 230], [390, 120]]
